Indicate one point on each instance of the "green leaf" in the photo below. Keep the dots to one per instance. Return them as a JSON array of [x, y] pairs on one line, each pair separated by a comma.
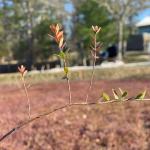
[[66, 70], [115, 94], [124, 94], [141, 95], [105, 96], [61, 55]]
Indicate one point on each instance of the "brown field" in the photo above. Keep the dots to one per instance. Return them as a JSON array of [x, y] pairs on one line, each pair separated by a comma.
[[117, 126]]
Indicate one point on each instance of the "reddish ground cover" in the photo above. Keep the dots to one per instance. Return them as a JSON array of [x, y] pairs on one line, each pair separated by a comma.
[[117, 126]]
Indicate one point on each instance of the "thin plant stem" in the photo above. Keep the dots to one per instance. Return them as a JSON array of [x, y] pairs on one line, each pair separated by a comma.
[[27, 96], [49, 112], [68, 82], [93, 70], [91, 81], [59, 38], [69, 89]]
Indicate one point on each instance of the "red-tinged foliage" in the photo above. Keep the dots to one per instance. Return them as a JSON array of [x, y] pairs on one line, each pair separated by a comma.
[[58, 35], [22, 70], [96, 29]]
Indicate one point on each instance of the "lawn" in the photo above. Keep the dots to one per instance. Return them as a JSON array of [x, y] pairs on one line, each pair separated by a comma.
[[56, 75], [108, 126]]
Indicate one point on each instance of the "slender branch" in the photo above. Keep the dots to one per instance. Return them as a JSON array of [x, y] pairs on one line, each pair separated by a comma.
[[93, 70], [27, 95], [68, 81], [69, 89], [49, 112], [59, 39], [91, 81]]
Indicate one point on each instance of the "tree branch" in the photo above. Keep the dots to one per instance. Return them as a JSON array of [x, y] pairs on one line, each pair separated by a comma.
[[25, 123], [108, 7]]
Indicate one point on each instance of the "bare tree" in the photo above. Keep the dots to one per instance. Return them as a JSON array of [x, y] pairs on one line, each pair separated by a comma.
[[121, 11]]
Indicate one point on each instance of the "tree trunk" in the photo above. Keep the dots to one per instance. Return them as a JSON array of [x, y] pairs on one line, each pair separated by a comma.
[[5, 20], [5, 24], [30, 32], [120, 39], [84, 61]]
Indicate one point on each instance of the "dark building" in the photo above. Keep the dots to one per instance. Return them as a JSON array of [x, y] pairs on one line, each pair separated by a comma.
[[141, 40]]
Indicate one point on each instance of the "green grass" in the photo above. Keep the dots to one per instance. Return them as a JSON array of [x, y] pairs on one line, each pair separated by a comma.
[[107, 74]]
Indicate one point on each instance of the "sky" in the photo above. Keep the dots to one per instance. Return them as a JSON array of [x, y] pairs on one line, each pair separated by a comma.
[[143, 14], [69, 7]]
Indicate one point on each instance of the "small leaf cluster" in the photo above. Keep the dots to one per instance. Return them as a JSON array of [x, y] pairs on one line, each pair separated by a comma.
[[58, 36], [95, 46], [121, 95]]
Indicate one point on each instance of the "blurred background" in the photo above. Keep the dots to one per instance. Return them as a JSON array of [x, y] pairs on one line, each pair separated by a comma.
[[124, 61], [24, 26]]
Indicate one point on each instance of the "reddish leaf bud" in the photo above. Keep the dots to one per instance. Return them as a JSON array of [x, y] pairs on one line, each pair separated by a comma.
[[22, 70], [96, 29]]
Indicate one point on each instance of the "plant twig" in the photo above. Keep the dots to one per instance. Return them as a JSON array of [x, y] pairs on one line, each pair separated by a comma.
[[22, 70], [59, 38], [25, 123], [93, 53], [91, 81], [67, 78], [27, 96], [69, 89]]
